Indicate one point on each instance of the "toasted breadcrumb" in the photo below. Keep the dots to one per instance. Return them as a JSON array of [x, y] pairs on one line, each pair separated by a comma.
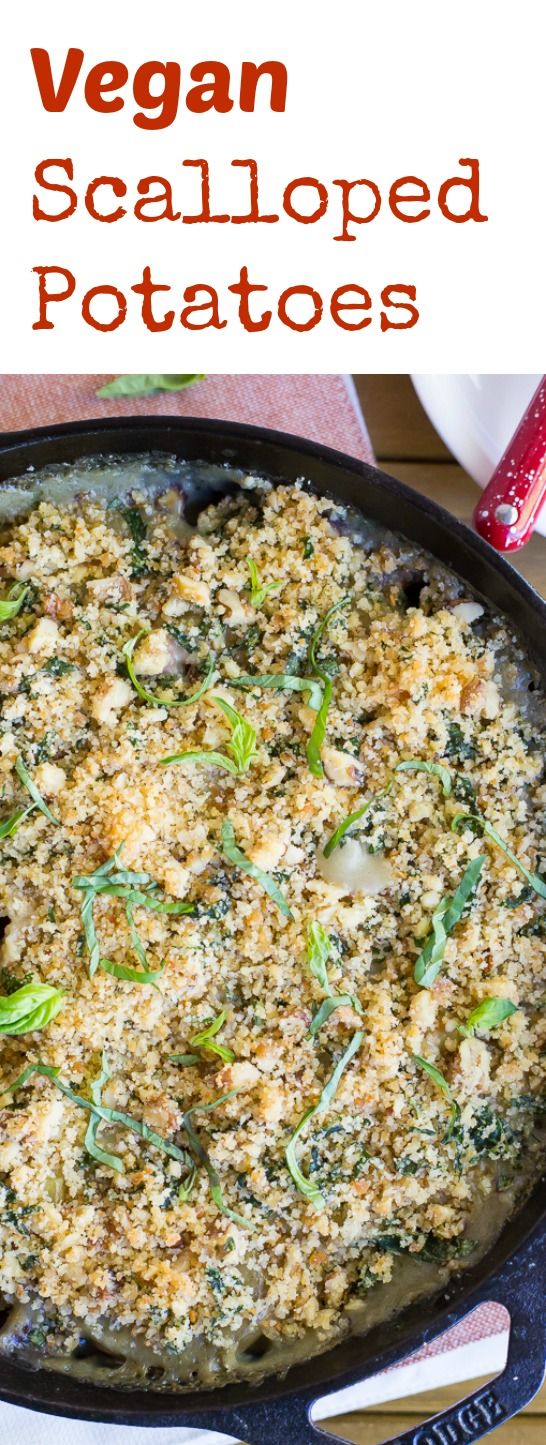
[[420, 681]]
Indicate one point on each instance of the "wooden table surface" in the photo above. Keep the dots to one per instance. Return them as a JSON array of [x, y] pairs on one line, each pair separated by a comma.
[[406, 444]]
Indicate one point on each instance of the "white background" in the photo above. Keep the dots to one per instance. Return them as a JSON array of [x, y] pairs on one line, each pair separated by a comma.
[[375, 89]]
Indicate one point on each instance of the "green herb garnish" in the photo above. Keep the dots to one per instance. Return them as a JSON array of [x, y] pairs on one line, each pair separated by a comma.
[[350, 819], [29, 1008], [328, 1007], [242, 746], [204, 1159], [186, 1189], [488, 1014], [282, 682], [235, 855], [316, 740], [147, 384], [310, 1191], [308, 548], [205, 1040], [100, 1111], [412, 765], [444, 1087], [132, 975], [11, 824], [259, 590], [137, 890], [113, 1161], [318, 952], [13, 602], [156, 699], [417, 765], [445, 917], [486, 830], [39, 802]]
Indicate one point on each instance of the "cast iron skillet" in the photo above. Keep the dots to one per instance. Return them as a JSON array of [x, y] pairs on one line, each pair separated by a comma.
[[514, 1271]]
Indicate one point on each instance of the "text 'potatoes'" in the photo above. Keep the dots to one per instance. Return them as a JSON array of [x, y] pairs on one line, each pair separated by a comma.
[[300, 308]]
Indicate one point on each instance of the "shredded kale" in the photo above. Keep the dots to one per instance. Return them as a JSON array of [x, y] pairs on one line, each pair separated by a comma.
[[458, 746]]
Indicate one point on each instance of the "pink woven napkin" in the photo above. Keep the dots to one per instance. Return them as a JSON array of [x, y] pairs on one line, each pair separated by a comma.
[[322, 408]]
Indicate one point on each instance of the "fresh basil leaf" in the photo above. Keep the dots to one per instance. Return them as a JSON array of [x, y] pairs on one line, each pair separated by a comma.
[[105, 874], [185, 1190], [331, 1086], [430, 960], [411, 765], [206, 1039], [351, 818], [112, 1116], [201, 755], [147, 384], [316, 740], [39, 802], [259, 590], [11, 824], [242, 744], [90, 932], [140, 899], [235, 855], [221, 1051], [29, 1008], [127, 884], [131, 975], [113, 1161], [435, 1075], [318, 953], [157, 905], [282, 682], [487, 1015], [13, 602], [156, 699], [204, 1159], [445, 917], [211, 1029], [137, 945], [416, 765], [487, 830], [46, 1070], [304, 1186], [334, 1001], [444, 1087], [310, 1191]]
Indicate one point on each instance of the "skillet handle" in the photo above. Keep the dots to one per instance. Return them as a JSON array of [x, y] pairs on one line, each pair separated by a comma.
[[491, 1405], [506, 513], [521, 1289]]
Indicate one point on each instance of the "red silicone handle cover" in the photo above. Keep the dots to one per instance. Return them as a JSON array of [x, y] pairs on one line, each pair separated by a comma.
[[507, 511]]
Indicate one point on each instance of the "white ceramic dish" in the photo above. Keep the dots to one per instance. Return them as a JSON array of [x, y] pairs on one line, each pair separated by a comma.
[[476, 416]]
